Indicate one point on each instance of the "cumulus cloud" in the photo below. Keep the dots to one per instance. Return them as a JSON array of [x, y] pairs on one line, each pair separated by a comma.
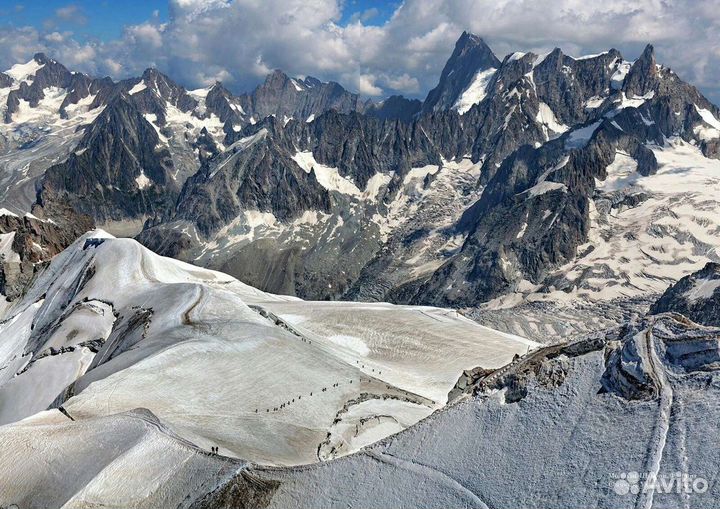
[[366, 85], [69, 13], [239, 41]]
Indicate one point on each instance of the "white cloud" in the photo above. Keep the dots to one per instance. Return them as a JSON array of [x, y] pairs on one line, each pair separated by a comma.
[[70, 14], [146, 36], [366, 85], [403, 82], [54, 37], [242, 40], [113, 67]]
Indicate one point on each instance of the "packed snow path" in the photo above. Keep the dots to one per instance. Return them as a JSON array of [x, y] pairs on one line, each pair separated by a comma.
[[471, 498], [662, 426]]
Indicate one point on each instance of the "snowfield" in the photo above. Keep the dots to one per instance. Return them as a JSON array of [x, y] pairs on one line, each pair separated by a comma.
[[636, 250], [37, 137], [126, 460], [574, 439], [111, 327]]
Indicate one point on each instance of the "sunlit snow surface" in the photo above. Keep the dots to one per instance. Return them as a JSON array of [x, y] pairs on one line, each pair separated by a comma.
[[36, 137], [639, 249], [223, 364], [475, 92]]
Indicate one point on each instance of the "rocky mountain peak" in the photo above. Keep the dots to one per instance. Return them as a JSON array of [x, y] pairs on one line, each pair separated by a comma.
[[289, 97], [151, 74], [277, 78], [468, 42], [120, 171], [42, 58], [470, 56], [217, 91], [643, 76], [311, 81], [219, 87], [49, 74], [395, 107]]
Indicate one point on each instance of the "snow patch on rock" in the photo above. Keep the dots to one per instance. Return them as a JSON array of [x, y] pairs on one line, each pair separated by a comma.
[[475, 92]]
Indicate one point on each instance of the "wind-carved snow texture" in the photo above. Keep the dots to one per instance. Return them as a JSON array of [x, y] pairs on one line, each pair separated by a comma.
[[574, 439], [110, 327]]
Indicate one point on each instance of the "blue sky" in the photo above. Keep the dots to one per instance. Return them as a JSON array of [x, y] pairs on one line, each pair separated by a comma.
[[97, 19], [106, 19], [373, 47], [370, 12]]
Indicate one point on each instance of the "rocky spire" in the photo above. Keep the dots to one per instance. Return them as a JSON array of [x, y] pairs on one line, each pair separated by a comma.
[[470, 56], [643, 75]]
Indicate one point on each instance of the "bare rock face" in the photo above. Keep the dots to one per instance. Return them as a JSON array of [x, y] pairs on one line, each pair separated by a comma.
[[283, 96], [5, 80], [34, 242], [395, 107], [643, 76], [220, 101], [565, 84], [119, 171], [153, 92], [470, 56], [696, 296], [254, 175], [467, 381]]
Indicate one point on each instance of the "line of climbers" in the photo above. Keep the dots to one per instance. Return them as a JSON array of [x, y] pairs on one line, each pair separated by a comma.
[[324, 389]]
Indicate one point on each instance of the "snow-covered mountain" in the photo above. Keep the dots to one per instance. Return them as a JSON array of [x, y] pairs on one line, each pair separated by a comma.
[[109, 327], [55, 117], [507, 187], [138, 354], [147, 364], [520, 199], [553, 198]]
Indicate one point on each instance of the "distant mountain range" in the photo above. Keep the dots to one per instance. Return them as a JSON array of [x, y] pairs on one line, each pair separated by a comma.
[[505, 186], [528, 259]]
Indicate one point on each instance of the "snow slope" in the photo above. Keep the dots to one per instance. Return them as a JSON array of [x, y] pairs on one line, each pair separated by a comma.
[[547, 436], [83, 462], [110, 327], [475, 92]]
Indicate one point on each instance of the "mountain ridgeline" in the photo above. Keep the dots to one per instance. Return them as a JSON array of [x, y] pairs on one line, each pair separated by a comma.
[[486, 188]]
